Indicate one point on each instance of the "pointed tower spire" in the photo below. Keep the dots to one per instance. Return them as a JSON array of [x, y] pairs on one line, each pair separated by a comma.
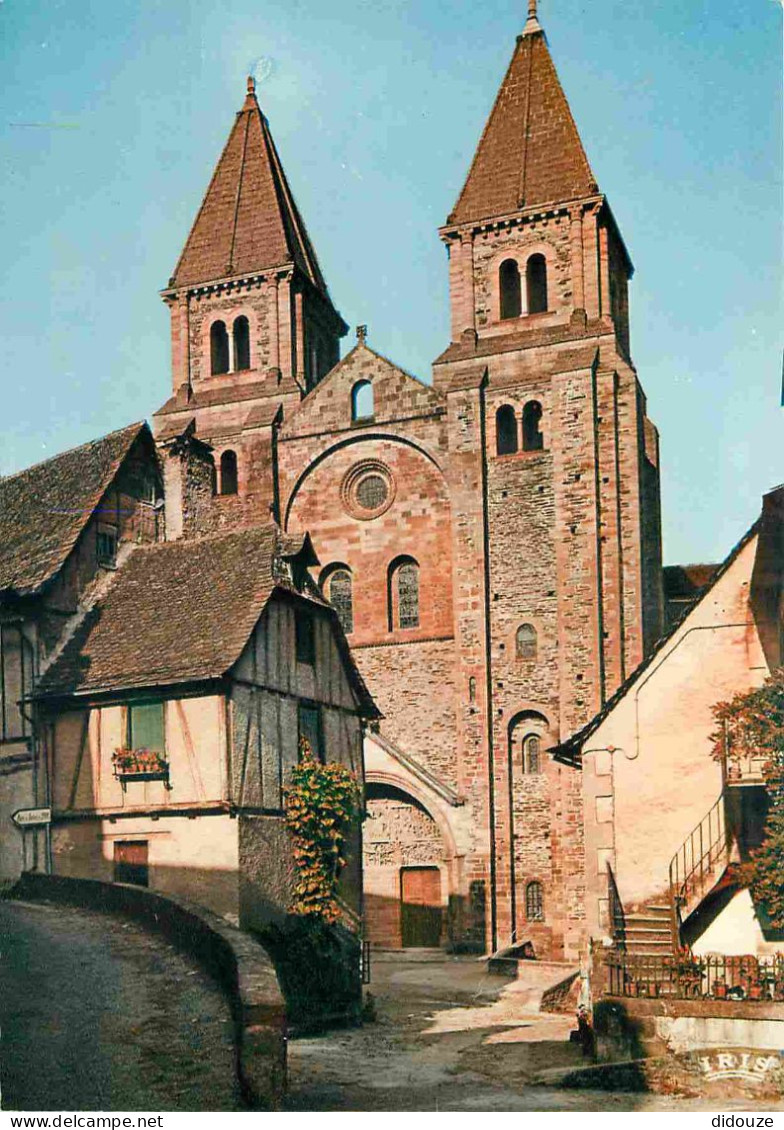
[[263, 306], [530, 152], [248, 220], [532, 23]]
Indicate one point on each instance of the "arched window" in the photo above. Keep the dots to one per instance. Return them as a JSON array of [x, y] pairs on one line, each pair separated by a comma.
[[526, 642], [472, 689], [219, 348], [536, 284], [403, 593], [532, 754], [534, 902], [241, 331], [533, 440], [337, 587], [509, 289], [228, 473], [526, 734], [362, 401], [505, 430]]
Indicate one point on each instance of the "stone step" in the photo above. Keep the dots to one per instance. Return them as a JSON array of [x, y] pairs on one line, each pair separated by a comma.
[[638, 922], [650, 948]]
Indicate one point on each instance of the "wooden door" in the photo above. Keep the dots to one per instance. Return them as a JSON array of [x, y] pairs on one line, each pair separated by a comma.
[[131, 862], [420, 906]]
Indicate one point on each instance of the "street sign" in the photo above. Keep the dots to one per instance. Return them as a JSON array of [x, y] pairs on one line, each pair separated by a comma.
[[31, 817]]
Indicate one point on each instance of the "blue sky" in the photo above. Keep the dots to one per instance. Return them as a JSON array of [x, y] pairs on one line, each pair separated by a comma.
[[113, 115]]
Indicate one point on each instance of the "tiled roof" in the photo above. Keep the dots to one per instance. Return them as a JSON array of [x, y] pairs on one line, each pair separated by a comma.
[[181, 611], [530, 152], [248, 221], [44, 509]]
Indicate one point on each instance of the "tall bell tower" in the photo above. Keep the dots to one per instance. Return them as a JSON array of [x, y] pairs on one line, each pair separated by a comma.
[[571, 566]]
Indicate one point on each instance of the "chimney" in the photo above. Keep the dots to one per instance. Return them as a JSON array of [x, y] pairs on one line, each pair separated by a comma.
[[188, 485]]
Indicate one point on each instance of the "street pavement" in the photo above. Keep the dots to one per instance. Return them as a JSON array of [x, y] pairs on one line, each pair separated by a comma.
[[97, 1014]]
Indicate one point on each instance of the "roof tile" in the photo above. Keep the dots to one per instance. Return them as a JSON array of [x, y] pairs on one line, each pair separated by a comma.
[[44, 509], [530, 152]]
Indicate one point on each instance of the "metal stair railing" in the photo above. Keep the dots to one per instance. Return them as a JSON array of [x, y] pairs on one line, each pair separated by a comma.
[[693, 867], [617, 916]]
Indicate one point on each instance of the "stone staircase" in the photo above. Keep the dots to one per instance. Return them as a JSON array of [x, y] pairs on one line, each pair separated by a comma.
[[648, 932]]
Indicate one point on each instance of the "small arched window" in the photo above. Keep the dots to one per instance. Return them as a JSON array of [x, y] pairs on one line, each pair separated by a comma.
[[534, 902], [339, 593], [241, 331], [536, 284], [533, 440], [228, 472], [532, 754], [505, 430], [472, 689], [362, 401], [403, 594], [219, 348], [526, 642], [509, 289]]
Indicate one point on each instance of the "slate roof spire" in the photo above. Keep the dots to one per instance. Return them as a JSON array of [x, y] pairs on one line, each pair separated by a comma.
[[248, 221], [530, 152]]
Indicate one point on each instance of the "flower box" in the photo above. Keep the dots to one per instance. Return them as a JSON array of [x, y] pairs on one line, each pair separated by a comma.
[[140, 765]]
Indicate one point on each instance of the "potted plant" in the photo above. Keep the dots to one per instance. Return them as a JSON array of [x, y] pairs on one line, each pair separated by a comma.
[[720, 990], [139, 765], [755, 991]]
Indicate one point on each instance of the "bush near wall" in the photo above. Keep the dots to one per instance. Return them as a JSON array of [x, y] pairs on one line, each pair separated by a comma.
[[318, 967]]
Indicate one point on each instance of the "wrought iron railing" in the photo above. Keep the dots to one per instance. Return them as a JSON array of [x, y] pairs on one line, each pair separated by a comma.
[[686, 977], [617, 916], [693, 867]]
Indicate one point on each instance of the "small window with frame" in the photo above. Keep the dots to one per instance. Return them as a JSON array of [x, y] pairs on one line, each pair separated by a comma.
[[145, 727], [106, 545], [305, 629], [310, 728]]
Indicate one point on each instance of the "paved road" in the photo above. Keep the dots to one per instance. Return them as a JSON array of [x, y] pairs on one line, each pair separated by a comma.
[[97, 1014], [450, 1037]]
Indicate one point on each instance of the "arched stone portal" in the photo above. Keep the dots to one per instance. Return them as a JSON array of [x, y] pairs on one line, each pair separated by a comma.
[[405, 871]]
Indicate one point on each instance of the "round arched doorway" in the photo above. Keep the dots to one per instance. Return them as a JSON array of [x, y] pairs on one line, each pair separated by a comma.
[[404, 866]]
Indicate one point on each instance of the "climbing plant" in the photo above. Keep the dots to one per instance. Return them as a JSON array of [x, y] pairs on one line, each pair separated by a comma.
[[751, 723], [321, 803]]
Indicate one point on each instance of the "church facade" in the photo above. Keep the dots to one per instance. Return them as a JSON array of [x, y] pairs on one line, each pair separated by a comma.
[[490, 540]]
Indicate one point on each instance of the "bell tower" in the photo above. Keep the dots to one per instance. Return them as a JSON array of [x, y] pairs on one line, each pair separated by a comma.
[[549, 420], [253, 327], [532, 242]]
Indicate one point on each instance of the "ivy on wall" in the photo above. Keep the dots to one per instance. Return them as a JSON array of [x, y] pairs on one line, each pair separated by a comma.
[[751, 724], [321, 803]]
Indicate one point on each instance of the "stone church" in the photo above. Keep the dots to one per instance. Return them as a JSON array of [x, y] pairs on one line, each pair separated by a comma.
[[490, 539]]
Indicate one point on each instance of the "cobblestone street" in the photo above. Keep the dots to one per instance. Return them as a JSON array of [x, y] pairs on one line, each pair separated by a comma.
[[98, 1014]]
